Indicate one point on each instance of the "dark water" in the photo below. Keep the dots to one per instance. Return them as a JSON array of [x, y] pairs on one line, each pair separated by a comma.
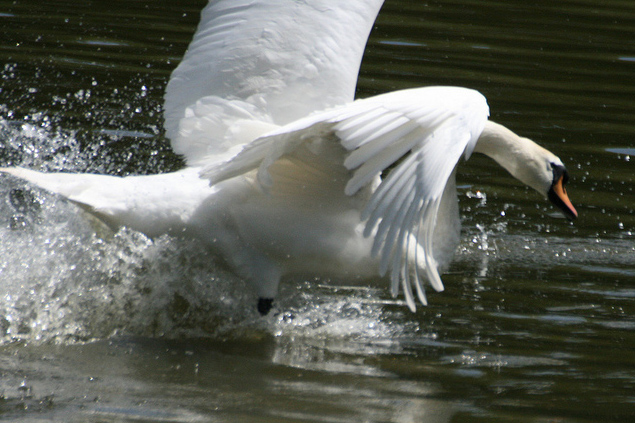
[[537, 323]]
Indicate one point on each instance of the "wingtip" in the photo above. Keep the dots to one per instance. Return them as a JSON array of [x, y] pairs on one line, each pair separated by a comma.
[[411, 303]]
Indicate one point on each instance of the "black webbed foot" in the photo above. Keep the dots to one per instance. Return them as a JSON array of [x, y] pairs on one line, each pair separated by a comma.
[[264, 305]]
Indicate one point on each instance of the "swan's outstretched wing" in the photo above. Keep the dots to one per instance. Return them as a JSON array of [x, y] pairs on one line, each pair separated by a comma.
[[427, 128], [254, 64]]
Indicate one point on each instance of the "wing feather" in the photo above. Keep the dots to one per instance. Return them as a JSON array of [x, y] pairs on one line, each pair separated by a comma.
[[374, 164], [388, 214], [362, 121], [382, 125], [376, 143]]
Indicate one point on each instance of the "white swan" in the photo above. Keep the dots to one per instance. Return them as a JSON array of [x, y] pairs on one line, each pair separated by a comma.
[[284, 167]]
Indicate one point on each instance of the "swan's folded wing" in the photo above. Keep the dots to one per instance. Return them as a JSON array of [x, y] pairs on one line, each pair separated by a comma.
[[419, 134], [269, 61]]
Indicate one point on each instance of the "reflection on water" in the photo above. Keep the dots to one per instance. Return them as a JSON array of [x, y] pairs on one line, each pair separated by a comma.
[[153, 380], [536, 323]]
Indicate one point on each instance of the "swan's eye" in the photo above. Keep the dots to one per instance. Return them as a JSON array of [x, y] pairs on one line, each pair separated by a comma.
[[559, 171]]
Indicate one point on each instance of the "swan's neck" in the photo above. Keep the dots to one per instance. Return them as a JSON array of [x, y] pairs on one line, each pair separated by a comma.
[[519, 156]]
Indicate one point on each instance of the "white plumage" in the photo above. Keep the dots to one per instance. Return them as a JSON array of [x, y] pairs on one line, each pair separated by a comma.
[[284, 167]]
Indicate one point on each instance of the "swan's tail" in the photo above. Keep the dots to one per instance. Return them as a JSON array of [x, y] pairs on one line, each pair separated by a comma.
[[79, 188], [152, 204], [93, 193]]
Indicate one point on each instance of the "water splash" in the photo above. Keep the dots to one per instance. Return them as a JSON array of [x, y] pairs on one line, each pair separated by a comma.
[[65, 278], [35, 142]]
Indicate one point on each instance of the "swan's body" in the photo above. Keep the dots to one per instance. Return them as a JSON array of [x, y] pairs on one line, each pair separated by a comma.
[[284, 168]]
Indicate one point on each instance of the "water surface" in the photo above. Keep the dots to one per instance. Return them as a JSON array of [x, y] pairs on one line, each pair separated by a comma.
[[537, 320]]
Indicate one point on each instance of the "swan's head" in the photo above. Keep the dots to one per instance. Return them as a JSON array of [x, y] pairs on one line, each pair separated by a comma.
[[542, 170], [530, 163]]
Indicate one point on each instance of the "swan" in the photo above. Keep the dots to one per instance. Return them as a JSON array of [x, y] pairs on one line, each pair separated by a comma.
[[287, 173]]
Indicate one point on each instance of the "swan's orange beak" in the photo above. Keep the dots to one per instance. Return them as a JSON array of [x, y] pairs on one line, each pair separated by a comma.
[[558, 196]]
